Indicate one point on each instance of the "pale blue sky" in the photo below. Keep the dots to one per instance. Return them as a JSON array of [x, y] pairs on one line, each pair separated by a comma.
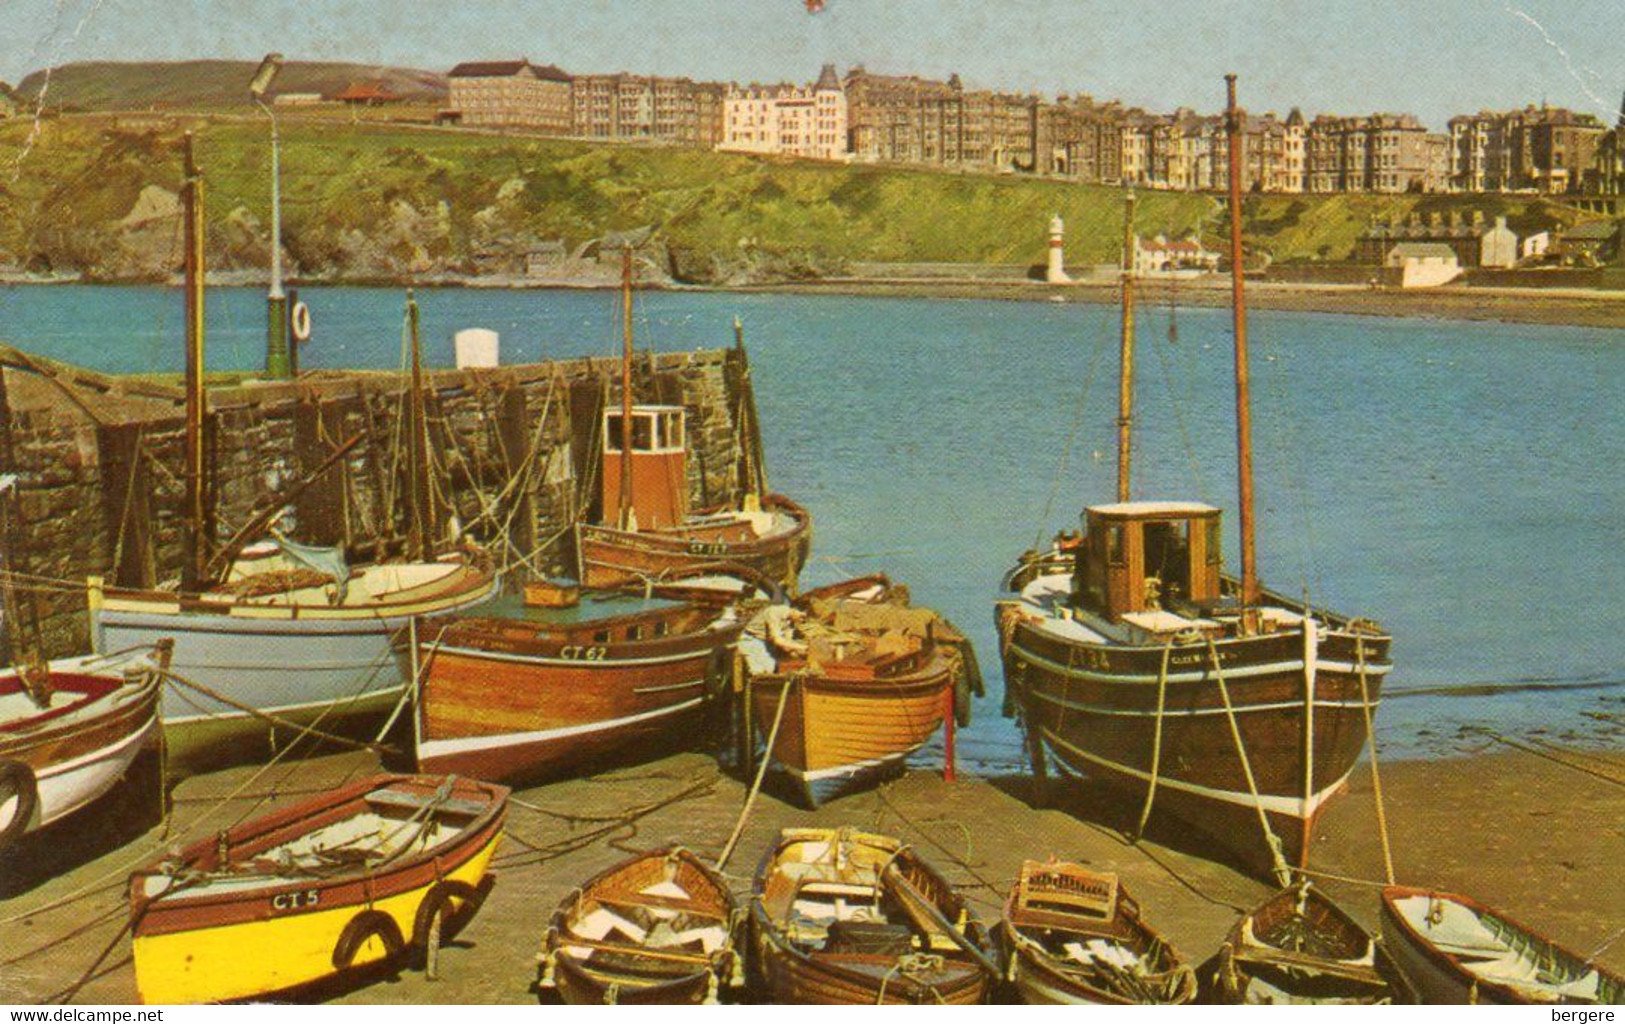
[[1431, 57]]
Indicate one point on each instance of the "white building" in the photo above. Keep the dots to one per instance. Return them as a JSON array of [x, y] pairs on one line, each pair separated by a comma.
[[788, 120], [1424, 264], [1498, 247]]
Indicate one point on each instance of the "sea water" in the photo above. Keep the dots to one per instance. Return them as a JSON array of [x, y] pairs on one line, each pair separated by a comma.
[[1462, 483]]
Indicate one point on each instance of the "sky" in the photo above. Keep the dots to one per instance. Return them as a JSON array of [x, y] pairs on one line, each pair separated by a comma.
[[1433, 58]]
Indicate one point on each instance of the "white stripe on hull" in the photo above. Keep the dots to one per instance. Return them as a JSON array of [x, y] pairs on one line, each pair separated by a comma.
[[1241, 709], [66, 787], [536, 659], [1291, 806], [431, 749], [1295, 666]]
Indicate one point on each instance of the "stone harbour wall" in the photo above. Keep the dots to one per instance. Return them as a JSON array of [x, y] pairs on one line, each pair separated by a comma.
[[100, 469]]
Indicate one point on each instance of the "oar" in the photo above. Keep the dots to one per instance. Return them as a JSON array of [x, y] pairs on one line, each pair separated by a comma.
[[919, 905]]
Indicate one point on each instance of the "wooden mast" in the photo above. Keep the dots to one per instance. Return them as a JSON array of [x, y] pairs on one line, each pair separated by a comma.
[[194, 539], [752, 430], [625, 519], [421, 518], [1125, 380], [1238, 305]]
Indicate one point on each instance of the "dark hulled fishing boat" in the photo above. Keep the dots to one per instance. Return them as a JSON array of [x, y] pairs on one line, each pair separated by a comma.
[[1131, 658], [643, 453]]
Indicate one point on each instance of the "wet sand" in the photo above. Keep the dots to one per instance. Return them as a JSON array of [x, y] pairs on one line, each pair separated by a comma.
[[1550, 306], [1539, 840]]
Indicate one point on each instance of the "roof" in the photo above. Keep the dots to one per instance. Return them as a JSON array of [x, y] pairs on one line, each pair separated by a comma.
[[1153, 508], [1423, 250], [828, 79], [1593, 230], [489, 69], [360, 91]]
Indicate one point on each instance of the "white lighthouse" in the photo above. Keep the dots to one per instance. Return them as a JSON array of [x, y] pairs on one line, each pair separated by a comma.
[[1056, 273]]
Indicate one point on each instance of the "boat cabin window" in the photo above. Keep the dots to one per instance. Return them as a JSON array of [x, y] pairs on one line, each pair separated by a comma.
[[601, 637], [653, 430], [1148, 556], [1116, 552], [1213, 550]]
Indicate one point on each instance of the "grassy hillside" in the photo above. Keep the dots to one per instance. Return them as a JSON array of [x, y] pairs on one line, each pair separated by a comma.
[[190, 85], [376, 200]]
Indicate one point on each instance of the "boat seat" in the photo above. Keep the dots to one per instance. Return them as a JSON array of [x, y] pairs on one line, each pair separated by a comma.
[[646, 901], [415, 801]]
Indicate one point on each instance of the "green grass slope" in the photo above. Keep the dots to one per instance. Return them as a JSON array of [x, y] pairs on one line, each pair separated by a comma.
[[137, 85]]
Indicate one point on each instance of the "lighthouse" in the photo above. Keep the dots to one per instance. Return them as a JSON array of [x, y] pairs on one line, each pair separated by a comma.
[[1056, 273]]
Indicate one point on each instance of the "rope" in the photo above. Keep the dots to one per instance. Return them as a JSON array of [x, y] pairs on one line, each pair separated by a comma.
[[1282, 873], [761, 771], [1615, 780], [1066, 450], [1376, 775], [274, 719], [1156, 741]]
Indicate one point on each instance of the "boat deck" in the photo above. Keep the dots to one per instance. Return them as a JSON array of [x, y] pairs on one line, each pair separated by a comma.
[[1047, 600]]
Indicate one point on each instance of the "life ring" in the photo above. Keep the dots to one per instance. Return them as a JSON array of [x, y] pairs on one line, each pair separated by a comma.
[[365, 926], [17, 784], [299, 321]]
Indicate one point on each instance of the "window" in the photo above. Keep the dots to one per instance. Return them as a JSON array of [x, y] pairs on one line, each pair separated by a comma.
[[1213, 550], [1115, 553], [612, 432]]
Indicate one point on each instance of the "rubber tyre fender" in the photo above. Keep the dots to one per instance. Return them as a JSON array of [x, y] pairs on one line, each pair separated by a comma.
[[438, 901], [369, 924], [17, 781]]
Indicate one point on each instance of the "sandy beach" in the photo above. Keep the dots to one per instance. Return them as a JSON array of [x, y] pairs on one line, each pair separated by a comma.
[[1538, 835]]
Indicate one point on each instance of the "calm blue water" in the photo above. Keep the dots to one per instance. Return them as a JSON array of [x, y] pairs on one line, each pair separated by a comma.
[[1462, 483]]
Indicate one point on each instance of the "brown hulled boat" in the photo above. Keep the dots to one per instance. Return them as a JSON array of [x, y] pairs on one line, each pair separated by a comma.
[[647, 530], [869, 679], [1454, 949], [1074, 936], [344, 881], [1200, 698], [1300, 948], [840, 916], [70, 729], [526, 692], [657, 929]]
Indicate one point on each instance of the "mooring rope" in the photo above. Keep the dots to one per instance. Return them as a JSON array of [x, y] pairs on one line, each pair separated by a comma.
[[761, 770], [1156, 740], [1282, 873], [1376, 776]]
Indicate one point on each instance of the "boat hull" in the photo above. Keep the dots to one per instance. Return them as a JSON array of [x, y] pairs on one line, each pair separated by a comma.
[[838, 736], [610, 556], [513, 715], [81, 756], [274, 938], [336, 671], [1094, 707]]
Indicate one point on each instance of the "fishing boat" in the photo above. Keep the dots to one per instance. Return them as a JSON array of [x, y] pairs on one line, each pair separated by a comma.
[[520, 692], [647, 530], [863, 678], [1202, 699], [1300, 948], [70, 732], [657, 929], [1073, 936], [840, 916], [352, 879], [272, 637], [1456, 950]]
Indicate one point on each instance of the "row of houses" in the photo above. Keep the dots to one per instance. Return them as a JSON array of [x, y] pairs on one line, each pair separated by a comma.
[[907, 119]]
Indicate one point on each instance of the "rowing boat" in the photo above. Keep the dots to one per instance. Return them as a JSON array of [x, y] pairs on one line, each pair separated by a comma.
[[658, 928], [320, 890], [69, 734], [1300, 948], [840, 916], [1073, 936], [1456, 950]]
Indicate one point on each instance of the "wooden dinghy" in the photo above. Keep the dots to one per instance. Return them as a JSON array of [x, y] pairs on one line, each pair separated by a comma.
[[319, 890], [1300, 948], [529, 692], [840, 916], [69, 733], [658, 929], [1073, 936], [869, 681], [1456, 950]]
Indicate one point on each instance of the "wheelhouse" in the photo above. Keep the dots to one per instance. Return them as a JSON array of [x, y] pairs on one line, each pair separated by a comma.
[[1139, 556], [659, 465]]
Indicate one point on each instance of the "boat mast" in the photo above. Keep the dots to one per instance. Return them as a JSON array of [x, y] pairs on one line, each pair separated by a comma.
[[624, 519], [1125, 381], [421, 520], [1238, 306], [194, 539]]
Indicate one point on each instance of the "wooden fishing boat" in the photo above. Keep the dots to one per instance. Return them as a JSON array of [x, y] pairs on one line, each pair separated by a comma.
[[647, 530], [286, 636], [865, 680], [1201, 699], [345, 881], [69, 734], [1456, 950], [841, 916], [524, 692], [657, 929], [1300, 948], [1071, 936]]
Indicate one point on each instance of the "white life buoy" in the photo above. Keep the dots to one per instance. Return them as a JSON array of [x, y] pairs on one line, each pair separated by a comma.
[[299, 321]]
